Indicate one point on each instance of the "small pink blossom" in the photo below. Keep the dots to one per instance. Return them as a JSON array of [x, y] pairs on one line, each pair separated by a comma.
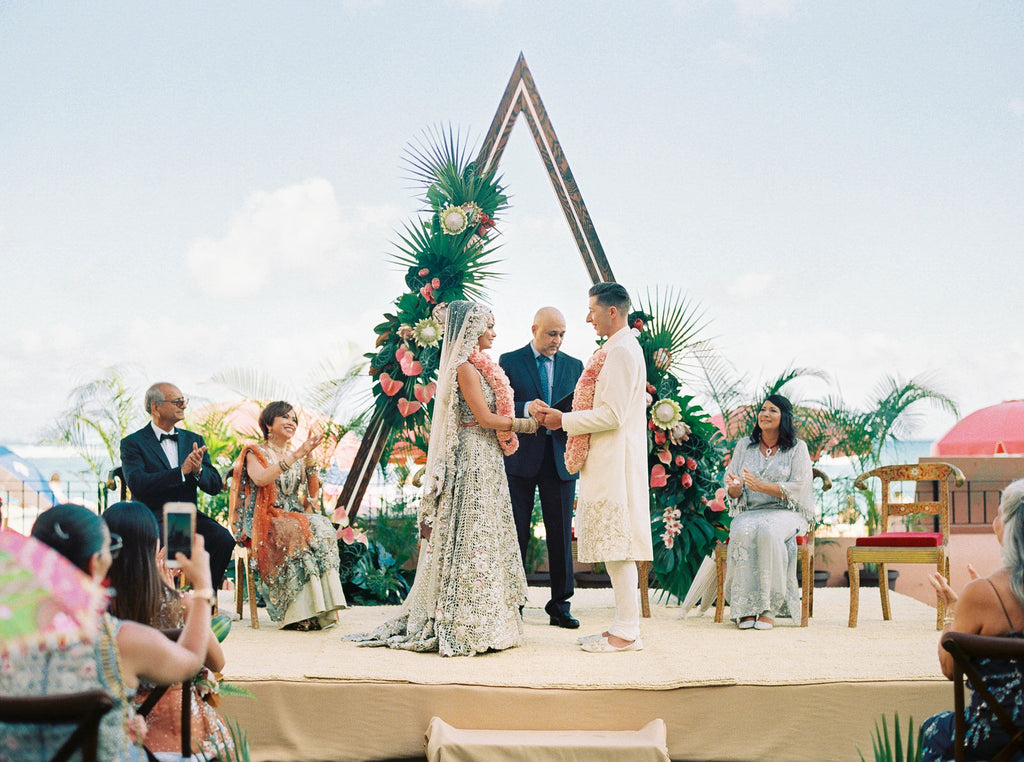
[[691, 464], [665, 456], [436, 283], [659, 437], [687, 481], [424, 272], [718, 504], [680, 460]]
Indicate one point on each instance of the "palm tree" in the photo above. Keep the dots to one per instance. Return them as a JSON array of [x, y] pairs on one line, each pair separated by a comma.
[[101, 413]]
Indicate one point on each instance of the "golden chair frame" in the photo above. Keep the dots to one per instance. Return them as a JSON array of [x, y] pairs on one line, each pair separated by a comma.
[[904, 553]]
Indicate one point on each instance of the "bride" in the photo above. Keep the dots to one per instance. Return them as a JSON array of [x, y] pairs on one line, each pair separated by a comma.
[[469, 585]]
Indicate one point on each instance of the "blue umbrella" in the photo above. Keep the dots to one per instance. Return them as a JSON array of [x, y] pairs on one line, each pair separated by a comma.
[[22, 483]]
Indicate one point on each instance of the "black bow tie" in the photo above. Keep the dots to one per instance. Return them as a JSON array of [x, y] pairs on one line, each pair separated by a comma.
[[172, 437]]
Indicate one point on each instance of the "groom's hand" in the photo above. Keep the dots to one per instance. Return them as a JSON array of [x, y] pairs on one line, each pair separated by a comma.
[[535, 406], [552, 418]]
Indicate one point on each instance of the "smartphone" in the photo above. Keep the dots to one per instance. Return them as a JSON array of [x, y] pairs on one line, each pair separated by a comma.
[[179, 529]]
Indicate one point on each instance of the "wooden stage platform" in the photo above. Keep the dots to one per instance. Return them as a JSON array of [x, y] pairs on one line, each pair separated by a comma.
[[788, 694]]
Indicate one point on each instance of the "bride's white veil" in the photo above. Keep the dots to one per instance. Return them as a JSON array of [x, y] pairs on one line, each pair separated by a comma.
[[463, 325]]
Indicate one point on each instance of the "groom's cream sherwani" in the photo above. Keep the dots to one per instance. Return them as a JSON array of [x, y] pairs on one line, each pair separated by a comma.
[[613, 518]]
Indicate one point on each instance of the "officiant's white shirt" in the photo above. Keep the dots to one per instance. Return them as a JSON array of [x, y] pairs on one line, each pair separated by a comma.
[[613, 519]]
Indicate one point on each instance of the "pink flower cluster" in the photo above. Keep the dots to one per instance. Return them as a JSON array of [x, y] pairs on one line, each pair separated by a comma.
[[503, 399], [673, 526], [578, 447]]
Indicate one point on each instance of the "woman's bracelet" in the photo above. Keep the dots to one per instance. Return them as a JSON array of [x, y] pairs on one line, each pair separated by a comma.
[[283, 464]]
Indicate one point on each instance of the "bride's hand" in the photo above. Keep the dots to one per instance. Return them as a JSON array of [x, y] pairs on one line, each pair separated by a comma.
[[424, 531]]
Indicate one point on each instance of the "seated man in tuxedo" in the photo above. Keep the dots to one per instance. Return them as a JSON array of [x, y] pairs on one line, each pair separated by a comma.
[[539, 371], [163, 464]]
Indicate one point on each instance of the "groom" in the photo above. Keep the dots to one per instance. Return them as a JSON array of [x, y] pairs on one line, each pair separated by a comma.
[[613, 513]]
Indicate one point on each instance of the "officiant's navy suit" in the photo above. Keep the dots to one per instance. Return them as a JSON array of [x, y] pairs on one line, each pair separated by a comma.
[[539, 464], [152, 481]]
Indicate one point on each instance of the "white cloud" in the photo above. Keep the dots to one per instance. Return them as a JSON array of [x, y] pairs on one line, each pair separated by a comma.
[[749, 285], [298, 228], [759, 9]]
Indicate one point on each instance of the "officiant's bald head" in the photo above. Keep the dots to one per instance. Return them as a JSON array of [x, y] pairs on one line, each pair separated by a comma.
[[548, 331]]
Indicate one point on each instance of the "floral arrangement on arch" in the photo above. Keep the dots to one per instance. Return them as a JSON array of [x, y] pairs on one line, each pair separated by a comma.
[[446, 255], [685, 453]]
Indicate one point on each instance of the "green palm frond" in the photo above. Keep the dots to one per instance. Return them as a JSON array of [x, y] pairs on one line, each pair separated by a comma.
[[675, 326], [449, 258], [255, 384], [440, 161]]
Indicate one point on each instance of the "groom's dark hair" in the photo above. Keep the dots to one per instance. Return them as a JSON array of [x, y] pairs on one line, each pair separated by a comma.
[[610, 294]]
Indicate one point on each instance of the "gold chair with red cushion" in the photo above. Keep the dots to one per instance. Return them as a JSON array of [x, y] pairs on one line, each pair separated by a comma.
[[804, 555], [904, 547]]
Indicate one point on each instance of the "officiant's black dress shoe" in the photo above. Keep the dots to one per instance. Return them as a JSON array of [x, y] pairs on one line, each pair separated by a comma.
[[567, 621]]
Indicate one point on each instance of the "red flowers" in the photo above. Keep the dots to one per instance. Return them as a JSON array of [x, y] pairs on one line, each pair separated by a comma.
[[424, 272], [486, 223], [691, 464], [687, 481], [660, 438], [638, 324]]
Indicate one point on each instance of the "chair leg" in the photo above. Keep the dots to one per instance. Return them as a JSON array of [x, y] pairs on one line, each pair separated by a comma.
[[643, 569], [239, 585], [854, 570], [251, 585], [720, 561], [808, 585], [940, 608], [883, 591]]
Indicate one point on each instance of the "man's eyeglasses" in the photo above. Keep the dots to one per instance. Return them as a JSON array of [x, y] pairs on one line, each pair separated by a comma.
[[180, 402], [115, 544]]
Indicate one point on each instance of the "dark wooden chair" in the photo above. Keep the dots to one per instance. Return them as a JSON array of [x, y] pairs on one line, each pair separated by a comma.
[[805, 557], [965, 648], [86, 709], [186, 706]]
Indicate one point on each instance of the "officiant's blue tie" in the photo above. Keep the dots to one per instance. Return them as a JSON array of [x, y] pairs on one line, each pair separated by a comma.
[[545, 383]]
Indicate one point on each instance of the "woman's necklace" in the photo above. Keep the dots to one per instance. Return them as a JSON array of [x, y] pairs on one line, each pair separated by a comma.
[[769, 450], [275, 448]]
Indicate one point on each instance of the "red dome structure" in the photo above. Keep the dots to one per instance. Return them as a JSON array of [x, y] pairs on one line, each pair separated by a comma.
[[995, 430]]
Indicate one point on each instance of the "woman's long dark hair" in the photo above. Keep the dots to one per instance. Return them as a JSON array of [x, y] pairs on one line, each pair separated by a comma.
[[134, 574], [787, 431], [73, 531]]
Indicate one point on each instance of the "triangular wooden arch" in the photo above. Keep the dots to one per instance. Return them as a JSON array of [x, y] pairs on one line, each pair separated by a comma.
[[520, 96]]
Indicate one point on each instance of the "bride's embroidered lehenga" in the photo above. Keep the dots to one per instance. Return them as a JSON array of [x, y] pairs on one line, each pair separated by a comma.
[[296, 552], [469, 584]]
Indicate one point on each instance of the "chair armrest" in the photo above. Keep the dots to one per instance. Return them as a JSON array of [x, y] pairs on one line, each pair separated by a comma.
[[983, 645], [54, 709]]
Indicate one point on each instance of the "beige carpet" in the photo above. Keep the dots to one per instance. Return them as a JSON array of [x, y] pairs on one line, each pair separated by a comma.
[[677, 652]]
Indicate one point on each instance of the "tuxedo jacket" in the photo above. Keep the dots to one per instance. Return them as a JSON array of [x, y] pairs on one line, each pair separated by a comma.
[[152, 480], [520, 366]]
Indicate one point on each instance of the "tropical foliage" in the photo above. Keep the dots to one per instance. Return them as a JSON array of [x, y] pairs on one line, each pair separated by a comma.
[[886, 751], [101, 412], [446, 255], [685, 460]]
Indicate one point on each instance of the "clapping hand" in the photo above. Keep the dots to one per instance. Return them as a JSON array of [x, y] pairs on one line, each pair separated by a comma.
[[316, 436], [194, 462]]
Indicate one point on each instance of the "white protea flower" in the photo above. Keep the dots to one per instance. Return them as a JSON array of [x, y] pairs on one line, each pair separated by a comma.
[[680, 433], [453, 220], [666, 413], [472, 210], [427, 332]]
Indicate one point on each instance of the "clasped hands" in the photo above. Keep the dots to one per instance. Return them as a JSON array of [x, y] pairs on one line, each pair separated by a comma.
[[548, 417], [734, 484], [194, 461]]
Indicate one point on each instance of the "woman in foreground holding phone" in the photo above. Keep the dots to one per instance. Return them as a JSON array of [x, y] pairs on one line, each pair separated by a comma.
[[145, 595], [115, 661]]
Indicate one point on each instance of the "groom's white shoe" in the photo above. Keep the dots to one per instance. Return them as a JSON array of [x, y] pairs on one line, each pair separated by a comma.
[[589, 638], [602, 646]]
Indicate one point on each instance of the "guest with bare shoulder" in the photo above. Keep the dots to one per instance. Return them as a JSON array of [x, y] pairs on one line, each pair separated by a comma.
[[992, 606]]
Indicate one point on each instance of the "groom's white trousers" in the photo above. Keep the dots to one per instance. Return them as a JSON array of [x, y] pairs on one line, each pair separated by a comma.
[[624, 577]]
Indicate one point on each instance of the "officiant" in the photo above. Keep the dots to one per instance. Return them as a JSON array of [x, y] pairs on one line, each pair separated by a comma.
[[541, 373]]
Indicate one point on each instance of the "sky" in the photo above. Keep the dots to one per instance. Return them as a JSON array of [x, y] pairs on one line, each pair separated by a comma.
[[189, 188]]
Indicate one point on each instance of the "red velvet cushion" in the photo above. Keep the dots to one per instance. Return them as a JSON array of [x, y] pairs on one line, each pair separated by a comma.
[[902, 539]]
